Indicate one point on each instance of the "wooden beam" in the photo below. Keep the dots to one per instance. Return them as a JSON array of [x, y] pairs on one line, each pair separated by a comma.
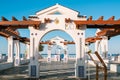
[[4, 34], [46, 42], [102, 62], [4, 19], [102, 26], [14, 27], [91, 58], [96, 22], [106, 32], [102, 33], [112, 18], [101, 18], [68, 42], [98, 38], [19, 24], [3, 27], [27, 40], [92, 39], [112, 34], [10, 33], [90, 18], [23, 39], [97, 72], [14, 19], [24, 18]]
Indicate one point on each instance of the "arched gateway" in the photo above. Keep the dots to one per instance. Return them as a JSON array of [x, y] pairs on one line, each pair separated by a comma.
[[61, 18]]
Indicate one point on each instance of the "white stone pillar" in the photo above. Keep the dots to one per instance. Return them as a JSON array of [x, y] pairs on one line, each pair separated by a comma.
[[98, 45], [1, 57], [49, 53], [98, 42], [34, 64], [27, 51], [80, 67], [17, 56], [86, 51], [65, 54], [58, 54], [104, 46], [87, 48], [10, 49]]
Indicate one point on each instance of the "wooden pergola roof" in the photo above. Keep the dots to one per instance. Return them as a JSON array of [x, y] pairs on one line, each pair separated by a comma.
[[99, 23], [109, 27], [23, 39], [15, 24], [92, 39], [51, 43], [8, 28]]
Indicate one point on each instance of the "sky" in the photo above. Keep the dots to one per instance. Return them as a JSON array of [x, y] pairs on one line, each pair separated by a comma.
[[95, 8]]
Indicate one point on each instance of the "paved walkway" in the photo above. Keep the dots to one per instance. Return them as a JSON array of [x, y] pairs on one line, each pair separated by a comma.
[[21, 73]]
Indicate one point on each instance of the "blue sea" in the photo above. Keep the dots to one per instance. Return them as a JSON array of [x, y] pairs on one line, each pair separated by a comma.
[[62, 55], [21, 55], [74, 55]]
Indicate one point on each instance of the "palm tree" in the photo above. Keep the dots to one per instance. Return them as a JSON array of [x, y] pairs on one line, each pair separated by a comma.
[[41, 47]]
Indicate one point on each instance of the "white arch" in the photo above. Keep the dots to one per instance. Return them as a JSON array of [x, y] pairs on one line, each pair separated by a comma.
[[57, 22], [41, 34], [78, 36]]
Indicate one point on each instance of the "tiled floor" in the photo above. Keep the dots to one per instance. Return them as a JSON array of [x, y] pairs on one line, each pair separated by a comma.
[[21, 73]]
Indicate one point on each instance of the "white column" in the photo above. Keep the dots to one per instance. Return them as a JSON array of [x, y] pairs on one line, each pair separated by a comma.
[[98, 45], [49, 53], [17, 56], [27, 51], [65, 54], [58, 54], [80, 67], [104, 46], [1, 57], [10, 49], [98, 42], [34, 64], [87, 48]]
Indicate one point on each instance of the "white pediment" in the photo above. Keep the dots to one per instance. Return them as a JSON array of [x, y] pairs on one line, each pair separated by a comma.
[[57, 41], [56, 10], [57, 38]]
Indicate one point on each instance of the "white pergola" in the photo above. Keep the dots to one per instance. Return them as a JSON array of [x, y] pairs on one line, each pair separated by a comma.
[[59, 42]]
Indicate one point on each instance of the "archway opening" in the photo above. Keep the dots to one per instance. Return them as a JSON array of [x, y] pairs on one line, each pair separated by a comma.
[[61, 34], [58, 64]]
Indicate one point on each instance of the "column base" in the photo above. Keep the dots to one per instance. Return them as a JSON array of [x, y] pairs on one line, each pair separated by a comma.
[[65, 60], [57, 58], [9, 60], [34, 69], [48, 59], [28, 58], [80, 71], [17, 62]]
